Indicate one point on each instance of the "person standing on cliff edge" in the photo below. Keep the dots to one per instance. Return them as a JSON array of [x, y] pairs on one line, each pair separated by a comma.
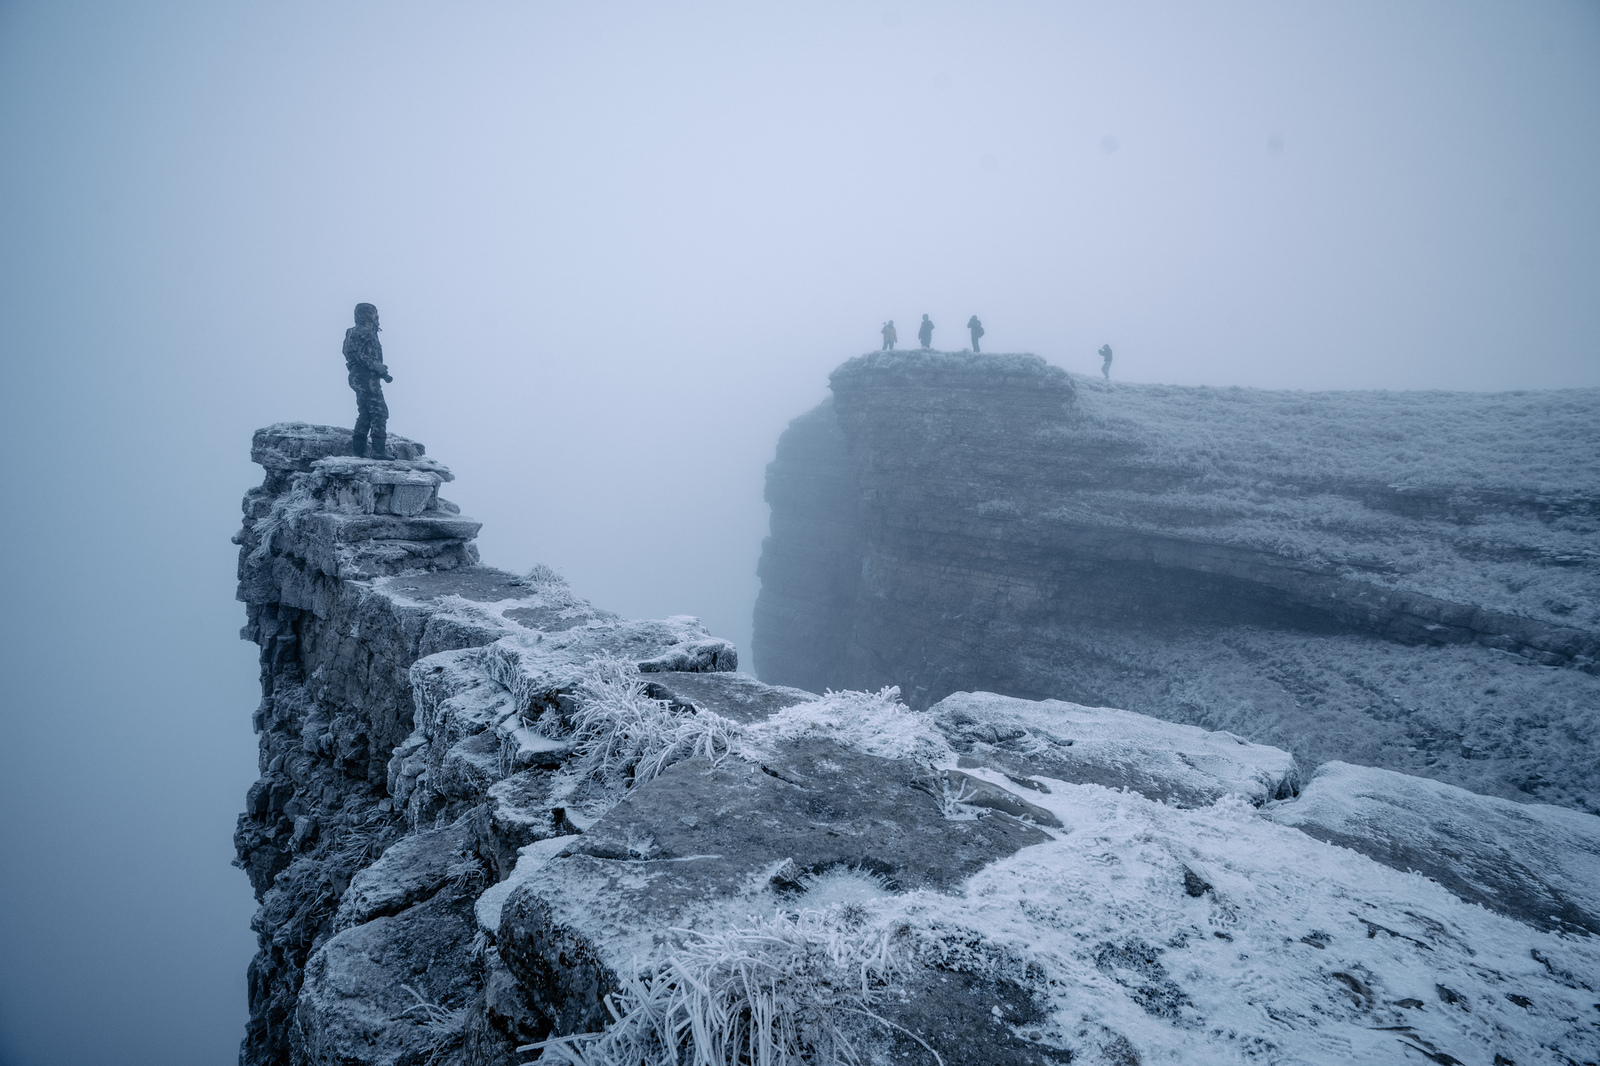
[[888, 335], [925, 333], [977, 331], [1105, 353], [363, 358]]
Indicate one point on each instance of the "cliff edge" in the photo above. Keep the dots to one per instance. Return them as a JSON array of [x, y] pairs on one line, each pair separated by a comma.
[[1405, 580], [496, 824]]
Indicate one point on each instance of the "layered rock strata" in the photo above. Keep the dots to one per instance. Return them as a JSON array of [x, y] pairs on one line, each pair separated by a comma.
[[493, 819], [352, 570], [1403, 580]]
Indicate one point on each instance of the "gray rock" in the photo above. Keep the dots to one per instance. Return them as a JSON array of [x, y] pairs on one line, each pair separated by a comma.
[[701, 656], [518, 812], [368, 991], [413, 870], [736, 696], [1168, 762], [704, 843], [1532, 862], [344, 593], [293, 446], [1237, 559]]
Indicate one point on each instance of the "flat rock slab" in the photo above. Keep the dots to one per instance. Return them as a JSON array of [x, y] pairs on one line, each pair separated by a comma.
[[731, 695], [707, 845], [1169, 763], [534, 666], [481, 584], [1529, 861], [287, 446]]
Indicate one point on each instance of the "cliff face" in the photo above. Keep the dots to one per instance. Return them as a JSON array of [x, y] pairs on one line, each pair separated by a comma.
[[1403, 580], [496, 824], [352, 570]]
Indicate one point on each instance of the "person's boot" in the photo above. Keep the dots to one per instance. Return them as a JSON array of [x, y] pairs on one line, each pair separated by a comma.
[[358, 445], [380, 447]]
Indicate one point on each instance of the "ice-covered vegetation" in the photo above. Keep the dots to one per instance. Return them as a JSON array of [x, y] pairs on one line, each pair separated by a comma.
[[1205, 933], [622, 737], [877, 723], [781, 992]]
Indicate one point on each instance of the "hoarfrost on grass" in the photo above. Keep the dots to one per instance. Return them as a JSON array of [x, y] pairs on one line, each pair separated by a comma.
[[623, 738], [780, 992], [876, 723]]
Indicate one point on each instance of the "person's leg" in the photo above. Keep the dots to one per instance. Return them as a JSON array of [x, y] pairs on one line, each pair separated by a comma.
[[380, 426], [358, 439]]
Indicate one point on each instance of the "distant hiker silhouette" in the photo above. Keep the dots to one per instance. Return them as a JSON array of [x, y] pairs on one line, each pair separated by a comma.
[[977, 331], [1105, 353], [888, 335], [925, 333]]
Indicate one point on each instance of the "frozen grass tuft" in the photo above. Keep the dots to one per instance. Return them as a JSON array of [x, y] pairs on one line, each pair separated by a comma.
[[955, 805], [876, 723], [623, 738], [293, 504], [444, 1028], [541, 574], [781, 993], [548, 582]]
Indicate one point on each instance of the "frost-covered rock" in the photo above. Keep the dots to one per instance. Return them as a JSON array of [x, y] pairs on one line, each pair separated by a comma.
[[1408, 580], [801, 813], [395, 991], [1536, 863], [354, 571], [534, 666], [1165, 761], [414, 869], [491, 816]]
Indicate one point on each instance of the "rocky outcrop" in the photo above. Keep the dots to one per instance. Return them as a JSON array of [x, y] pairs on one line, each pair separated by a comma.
[[1405, 580], [352, 570], [495, 823], [1536, 863]]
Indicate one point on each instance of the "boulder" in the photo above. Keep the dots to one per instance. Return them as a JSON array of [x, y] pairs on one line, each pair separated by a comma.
[[1530, 861], [1165, 761], [396, 991], [412, 870]]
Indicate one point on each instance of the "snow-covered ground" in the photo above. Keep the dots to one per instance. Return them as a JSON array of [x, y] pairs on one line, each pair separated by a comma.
[[1516, 477], [1142, 931], [1476, 717], [1299, 952], [1535, 442]]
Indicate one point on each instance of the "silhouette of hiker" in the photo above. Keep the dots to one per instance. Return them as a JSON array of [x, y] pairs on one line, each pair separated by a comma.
[[1105, 353], [977, 331], [888, 335], [363, 358], [925, 333]]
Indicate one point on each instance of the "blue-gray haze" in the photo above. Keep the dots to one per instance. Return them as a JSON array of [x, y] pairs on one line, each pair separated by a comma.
[[615, 248]]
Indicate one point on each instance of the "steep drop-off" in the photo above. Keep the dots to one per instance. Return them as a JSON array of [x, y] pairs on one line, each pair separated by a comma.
[[1407, 580], [495, 824]]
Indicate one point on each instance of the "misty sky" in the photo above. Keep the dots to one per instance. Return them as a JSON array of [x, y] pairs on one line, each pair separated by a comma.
[[615, 249]]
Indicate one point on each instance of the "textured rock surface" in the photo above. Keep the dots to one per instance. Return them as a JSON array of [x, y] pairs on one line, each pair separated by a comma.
[[491, 815], [1536, 863], [1408, 580], [344, 597], [1103, 746]]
